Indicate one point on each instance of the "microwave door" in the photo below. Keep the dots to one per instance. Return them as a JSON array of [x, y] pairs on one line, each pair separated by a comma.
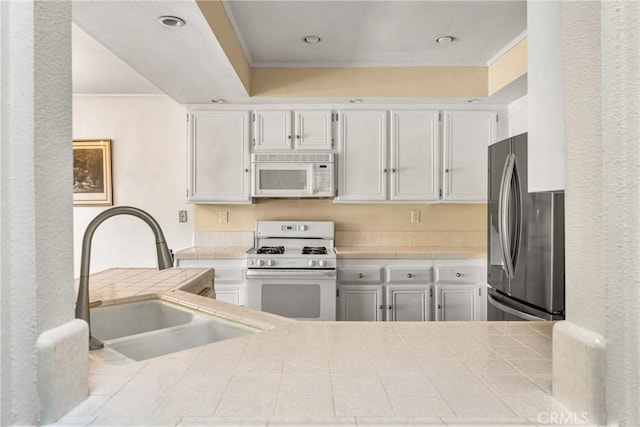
[[282, 180]]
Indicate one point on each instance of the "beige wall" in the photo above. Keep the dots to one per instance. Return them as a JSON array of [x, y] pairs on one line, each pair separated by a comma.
[[370, 82], [512, 65], [348, 217]]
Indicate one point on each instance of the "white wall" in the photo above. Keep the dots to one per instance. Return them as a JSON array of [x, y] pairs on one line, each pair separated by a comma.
[[149, 161], [602, 88]]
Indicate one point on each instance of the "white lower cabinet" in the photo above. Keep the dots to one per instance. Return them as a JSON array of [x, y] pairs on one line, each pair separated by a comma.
[[384, 302], [229, 279], [382, 290], [459, 293]]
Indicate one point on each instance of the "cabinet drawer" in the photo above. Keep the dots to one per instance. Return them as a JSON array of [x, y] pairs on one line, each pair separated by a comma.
[[360, 275], [459, 274], [410, 275], [229, 274]]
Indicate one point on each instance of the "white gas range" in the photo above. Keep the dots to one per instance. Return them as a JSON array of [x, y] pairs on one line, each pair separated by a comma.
[[291, 271]]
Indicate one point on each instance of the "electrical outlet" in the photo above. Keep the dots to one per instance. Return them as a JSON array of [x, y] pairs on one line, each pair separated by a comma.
[[182, 216], [224, 217], [415, 217]]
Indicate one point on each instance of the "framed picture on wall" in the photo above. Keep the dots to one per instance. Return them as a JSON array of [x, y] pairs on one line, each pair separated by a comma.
[[92, 172]]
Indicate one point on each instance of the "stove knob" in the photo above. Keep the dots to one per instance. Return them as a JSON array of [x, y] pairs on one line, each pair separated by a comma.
[[271, 263], [260, 262], [322, 263], [312, 263]]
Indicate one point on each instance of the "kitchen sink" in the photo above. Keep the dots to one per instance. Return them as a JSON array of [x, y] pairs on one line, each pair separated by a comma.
[[122, 320], [146, 329]]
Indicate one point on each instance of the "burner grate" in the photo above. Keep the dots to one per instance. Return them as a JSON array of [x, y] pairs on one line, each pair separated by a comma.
[[314, 250], [270, 250]]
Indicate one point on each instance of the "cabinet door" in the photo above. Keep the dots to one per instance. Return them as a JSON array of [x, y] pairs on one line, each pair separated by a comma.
[[313, 130], [218, 157], [233, 294], [408, 302], [362, 159], [272, 130], [456, 302], [415, 172], [360, 302], [467, 136]]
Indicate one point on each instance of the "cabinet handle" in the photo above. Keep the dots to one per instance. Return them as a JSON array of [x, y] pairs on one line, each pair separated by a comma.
[[409, 275], [439, 306], [389, 307], [458, 274], [360, 276]]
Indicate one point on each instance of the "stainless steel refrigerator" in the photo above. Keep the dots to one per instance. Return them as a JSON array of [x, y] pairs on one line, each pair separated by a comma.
[[525, 245]]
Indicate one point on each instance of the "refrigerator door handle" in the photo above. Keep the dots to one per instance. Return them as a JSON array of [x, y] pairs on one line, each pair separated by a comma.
[[510, 310], [503, 212]]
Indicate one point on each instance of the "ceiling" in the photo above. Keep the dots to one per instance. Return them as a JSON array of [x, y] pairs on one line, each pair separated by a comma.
[[375, 33], [120, 48]]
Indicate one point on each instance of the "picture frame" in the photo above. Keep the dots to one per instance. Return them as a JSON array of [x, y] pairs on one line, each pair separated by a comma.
[[92, 183]]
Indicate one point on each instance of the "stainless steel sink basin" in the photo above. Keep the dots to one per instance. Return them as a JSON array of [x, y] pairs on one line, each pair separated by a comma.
[[145, 329]]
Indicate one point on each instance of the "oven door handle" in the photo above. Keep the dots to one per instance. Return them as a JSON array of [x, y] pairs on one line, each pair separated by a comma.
[[285, 274]]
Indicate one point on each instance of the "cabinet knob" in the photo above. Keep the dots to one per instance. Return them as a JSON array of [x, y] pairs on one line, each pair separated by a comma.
[[439, 306], [384, 170], [360, 276], [393, 170], [446, 170], [246, 170], [297, 136], [389, 307], [458, 274], [380, 307], [409, 275]]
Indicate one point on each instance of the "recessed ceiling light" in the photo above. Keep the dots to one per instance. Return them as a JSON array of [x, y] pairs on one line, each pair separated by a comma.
[[311, 39], [473, 100], [171, 21], [445, 39], [356, 101], [218, 101]]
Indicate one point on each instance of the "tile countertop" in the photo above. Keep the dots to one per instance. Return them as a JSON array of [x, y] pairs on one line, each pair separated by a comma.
[[404, 252], [329, 373]]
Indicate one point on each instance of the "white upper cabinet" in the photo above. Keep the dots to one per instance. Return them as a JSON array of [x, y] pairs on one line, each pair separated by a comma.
[[518, 116], [218, 157], [362, 159], [274, 130], [415, 139], [313, 130], [467, 134]]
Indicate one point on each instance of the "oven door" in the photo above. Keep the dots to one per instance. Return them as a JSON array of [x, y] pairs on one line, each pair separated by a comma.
[[282, 180], [297, 294]]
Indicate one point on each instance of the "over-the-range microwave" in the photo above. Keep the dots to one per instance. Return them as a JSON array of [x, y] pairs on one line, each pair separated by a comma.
[[292, 175]]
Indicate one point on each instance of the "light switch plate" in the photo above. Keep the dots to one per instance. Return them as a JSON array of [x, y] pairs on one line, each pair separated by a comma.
[[182, 216], [415, 217], [224, 217]]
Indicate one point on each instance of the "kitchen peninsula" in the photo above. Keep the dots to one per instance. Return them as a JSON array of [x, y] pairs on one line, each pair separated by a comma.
[[329, 373]]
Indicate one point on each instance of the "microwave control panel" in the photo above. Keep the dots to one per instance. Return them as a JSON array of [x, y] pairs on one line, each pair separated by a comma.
[[323, 178]]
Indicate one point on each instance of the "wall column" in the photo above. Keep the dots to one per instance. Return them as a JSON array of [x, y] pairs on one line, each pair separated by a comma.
[[41, 341]]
